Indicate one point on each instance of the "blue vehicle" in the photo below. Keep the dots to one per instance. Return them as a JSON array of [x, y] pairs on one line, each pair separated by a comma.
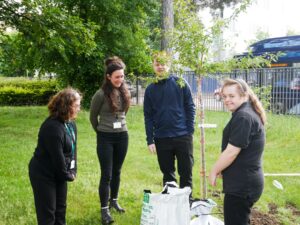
[[289, 46], [285, 80]]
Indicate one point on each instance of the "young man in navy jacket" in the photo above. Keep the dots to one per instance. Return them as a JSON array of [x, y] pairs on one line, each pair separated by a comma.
[[169, 113]]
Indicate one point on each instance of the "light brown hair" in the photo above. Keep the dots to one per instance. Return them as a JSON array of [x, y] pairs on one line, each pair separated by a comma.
[[244, 90]]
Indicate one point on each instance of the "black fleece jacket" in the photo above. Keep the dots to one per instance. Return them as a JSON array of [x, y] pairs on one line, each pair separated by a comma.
[[53, 154]]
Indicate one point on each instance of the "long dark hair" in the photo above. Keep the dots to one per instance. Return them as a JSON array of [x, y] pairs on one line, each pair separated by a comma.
[[61, 105], [112, 64]]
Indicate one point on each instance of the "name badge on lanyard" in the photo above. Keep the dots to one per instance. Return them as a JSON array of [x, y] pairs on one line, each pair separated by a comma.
[[117, 124], [72, 166], [71, 134]]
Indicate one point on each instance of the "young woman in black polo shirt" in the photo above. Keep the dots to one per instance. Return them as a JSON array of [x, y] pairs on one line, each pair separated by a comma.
[[242, 147]]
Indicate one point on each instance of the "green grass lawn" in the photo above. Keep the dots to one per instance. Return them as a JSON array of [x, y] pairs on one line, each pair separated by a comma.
[[18, 135]]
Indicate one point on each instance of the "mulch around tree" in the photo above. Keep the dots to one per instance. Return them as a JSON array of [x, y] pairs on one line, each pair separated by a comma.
[[260, 218]]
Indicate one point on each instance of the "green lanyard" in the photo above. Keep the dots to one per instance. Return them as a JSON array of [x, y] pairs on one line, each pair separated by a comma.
[[71, 133]]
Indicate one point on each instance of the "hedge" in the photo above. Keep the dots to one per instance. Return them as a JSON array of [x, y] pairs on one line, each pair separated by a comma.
[[20, 91]]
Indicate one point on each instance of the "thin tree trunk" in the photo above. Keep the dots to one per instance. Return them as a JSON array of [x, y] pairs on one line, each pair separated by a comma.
[[167, 24], [202, 140]]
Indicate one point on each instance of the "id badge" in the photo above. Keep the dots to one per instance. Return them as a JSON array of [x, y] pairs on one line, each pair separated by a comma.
[[117, 125], [72, 166]]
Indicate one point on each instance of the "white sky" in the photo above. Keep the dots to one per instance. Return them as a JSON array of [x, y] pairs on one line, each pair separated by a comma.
[[276, 17]]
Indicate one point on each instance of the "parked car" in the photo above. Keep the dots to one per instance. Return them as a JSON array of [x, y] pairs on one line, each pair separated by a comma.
[[295, 110], [285, 95], [295, 84], [217, 94]]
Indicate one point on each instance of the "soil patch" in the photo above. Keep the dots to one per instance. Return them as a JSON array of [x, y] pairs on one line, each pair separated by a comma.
[[259, 218], [293, 208], [273, 209]]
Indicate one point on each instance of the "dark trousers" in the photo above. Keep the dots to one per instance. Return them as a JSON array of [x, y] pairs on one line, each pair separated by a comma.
[[50, 201], [111, 150], [237, 210], [180, 148]]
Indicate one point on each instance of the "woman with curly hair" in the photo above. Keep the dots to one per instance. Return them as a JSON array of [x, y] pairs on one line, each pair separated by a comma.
[[108, 117], [54, 160]]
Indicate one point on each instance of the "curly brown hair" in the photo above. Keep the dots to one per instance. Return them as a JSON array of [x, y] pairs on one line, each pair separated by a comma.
[[61, 105], [112, 64]]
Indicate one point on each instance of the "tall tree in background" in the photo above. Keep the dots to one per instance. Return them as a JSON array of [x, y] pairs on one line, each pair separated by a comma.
[[72, 38], [215, 5], [167, 24], [217, 8], [260, 34], [122, 31], [292, 32], [193, 41], [44, 36]]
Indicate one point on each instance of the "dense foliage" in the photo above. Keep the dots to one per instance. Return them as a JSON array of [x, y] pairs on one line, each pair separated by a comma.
[[72, 38], [217, 4], [26, 92]]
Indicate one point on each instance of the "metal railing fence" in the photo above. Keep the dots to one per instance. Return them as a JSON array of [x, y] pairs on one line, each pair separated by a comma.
[[278, 88]]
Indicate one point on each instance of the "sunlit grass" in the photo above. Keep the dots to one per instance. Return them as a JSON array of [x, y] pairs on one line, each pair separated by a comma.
[[18, 135]]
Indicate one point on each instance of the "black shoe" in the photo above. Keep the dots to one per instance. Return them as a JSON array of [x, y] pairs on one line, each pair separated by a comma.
[[115, 205], [106, 217]]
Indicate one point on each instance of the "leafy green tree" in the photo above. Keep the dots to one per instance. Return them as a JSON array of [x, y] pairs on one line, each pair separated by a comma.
[[216, 5], [72, 38], [193, 41], [123, 31], [10, 57], [49, 38], [291, 32], [260, 34], [154, 22]]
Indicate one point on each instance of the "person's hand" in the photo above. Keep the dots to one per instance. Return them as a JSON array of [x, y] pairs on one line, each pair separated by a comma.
[[71, 176], [152, 148], [212, 178]]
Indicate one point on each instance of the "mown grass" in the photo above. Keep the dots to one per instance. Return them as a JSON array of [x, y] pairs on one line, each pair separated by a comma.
[[18, 135]]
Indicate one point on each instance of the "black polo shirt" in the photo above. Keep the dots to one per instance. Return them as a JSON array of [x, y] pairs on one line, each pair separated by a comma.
[[244, 177]]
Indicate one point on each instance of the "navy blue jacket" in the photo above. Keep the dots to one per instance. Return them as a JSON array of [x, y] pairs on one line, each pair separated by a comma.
[[169, 110]]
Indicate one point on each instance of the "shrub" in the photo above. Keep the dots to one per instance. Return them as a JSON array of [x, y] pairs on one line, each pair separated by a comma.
[[22, 91]]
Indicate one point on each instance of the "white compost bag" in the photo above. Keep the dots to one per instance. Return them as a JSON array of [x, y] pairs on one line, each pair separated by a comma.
[[202, 210], [206, 220], [171, 207]]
